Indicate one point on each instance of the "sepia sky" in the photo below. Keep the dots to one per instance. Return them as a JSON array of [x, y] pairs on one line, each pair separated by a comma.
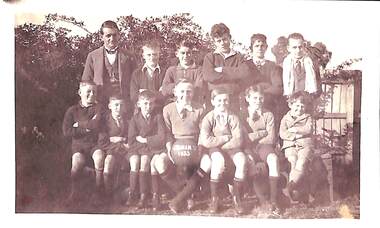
[[338, 25]]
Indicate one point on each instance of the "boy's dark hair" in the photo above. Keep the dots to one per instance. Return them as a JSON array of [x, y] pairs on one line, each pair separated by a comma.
[[296, 36], [183, 80], [219, 91], [260, 37], [115, 96], [108, 24], [153, 44], [301, 96], [185, 43], [254, 89], [218, 30], [146, 94]]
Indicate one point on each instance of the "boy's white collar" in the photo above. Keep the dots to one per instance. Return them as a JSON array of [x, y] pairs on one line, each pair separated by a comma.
[[150, 69], [225, 56], [181, 107]]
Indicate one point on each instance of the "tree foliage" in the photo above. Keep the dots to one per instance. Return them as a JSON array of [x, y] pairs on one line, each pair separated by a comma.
[[50, 61]]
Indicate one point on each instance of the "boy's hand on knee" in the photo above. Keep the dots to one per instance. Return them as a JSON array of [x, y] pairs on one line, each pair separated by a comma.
[[116, 139], [218, 69], [141, 139]]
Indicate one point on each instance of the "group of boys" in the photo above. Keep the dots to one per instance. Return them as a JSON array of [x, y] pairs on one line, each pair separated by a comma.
[[230, 110]]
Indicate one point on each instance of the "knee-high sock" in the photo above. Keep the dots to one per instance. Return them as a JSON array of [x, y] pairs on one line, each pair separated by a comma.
[[108, 183], [238, 187], [259, 185], [143, 182], [191, 185], [133, 177], [214, 188], [273, 185], [75, 183], [99, 181], [156, 183]]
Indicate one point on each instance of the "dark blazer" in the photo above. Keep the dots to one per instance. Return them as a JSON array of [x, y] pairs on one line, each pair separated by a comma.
[[108, 129], [95, 70], [152, 129]]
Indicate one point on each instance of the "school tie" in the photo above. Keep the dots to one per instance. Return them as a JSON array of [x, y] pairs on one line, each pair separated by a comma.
[[183, 113], [298, 68], [222, 120], [255, 116], [118, 121]]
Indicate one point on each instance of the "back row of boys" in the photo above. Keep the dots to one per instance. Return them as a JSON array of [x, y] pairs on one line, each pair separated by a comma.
[[223, 136]]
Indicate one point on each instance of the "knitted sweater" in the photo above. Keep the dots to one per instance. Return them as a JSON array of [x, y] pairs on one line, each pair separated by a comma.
[[176, 127], [212, 131], [304, 127], [86, 133], [234, 71], [260, 130]]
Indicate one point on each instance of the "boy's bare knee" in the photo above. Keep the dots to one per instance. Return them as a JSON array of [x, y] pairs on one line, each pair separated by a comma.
[[272, 159], [134, 162], [205, 163], [239, 159], [109, 164], [301, 163], [161, 163], [217, 165], [144, 163], [78, 161], [152, 164], [98, 157]]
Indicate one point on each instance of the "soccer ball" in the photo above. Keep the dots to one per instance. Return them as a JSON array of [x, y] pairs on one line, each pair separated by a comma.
[[185, 152]]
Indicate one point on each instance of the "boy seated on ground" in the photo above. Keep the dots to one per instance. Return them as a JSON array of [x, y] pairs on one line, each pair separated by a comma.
[[81, 124], [296, 130], [184, 156], [260, 142], [145, 138], [221, 134], [113, 144]]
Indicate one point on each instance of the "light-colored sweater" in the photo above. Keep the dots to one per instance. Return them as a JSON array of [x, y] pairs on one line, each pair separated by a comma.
[[260, 130], [212, 132], [188, 127], [304, 127]]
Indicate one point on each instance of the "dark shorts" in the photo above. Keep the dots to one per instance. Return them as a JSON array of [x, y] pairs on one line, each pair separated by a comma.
[[85, 149], [146, 151], [260, 152], [115, 149]]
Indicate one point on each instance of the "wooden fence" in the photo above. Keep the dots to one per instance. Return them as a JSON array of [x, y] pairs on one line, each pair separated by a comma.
[[340, 125]]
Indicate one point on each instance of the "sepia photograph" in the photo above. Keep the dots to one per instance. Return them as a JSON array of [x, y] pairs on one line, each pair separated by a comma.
[[176, 110]]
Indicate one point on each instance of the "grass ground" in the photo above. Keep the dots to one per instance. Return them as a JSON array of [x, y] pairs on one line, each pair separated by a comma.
[[348, 207]]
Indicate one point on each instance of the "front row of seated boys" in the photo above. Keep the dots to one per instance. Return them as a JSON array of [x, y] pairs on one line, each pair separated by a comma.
[[230, 148]]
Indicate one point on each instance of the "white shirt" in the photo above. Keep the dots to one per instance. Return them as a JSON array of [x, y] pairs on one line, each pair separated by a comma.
[[151, 70], [111, 57], [225, 56]]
